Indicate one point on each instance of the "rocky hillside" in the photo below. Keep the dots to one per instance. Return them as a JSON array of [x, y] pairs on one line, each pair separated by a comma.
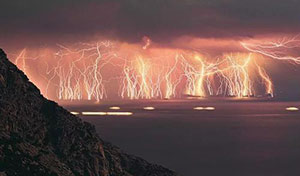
[[38, 137]]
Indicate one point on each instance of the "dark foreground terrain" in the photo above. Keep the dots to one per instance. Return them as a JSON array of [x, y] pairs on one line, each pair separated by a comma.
[[237, 138], [38, 137]]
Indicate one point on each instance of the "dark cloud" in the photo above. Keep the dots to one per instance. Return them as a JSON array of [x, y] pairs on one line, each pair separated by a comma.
[[162, 20]]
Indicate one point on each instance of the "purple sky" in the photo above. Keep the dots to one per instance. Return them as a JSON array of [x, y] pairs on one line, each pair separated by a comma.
[[39, 23]]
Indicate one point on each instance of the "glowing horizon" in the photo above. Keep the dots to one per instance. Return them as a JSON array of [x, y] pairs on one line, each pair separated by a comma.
[[89, 71]]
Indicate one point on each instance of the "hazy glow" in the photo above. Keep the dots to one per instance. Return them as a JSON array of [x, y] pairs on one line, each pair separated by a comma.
[[231, 75], [105, 69]]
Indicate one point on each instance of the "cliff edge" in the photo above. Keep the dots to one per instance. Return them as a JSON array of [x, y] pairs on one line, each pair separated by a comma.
[[38, 137]]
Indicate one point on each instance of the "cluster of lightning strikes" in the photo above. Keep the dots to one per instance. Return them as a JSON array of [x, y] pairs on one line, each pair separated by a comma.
[[146, 80], [78, 71]]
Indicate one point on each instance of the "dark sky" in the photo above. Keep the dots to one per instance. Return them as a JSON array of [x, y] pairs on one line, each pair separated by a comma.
[[161, 20]]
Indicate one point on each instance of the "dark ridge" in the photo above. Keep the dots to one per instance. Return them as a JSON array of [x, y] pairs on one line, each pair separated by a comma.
[[38, 137]]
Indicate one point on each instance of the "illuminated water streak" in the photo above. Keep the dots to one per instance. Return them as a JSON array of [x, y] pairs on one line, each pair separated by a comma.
[[119, 113], [210, 108], [75, 113], [292, 109], [150, 108], [114, 108], [94, 113], [199, 108], [107, 113]]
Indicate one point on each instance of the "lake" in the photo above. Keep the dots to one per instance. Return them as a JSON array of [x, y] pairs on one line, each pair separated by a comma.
[[210, 138]]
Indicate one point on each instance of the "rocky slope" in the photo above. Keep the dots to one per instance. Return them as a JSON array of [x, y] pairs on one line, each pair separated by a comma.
[[38, 137]]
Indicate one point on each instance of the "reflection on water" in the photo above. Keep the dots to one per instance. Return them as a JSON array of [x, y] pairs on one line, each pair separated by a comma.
[[236, 139], [106, 113], [119, 113], [114, 108], [210, 108], [149, 108], [74, 113], [199, 108], [292, 109], [93, 113]]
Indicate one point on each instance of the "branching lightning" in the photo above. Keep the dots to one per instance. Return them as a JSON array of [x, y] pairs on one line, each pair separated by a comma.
[[275, 50], [77, 72]]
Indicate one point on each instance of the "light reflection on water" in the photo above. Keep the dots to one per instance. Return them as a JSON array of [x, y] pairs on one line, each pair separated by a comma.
[[150, 108], [107, 113], [292, 109], [235, 138]]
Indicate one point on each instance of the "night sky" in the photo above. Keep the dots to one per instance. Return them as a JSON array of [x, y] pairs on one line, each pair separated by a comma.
[[215, 26]]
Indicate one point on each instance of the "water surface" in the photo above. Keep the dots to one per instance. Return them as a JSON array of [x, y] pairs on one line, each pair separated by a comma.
[[233, 138]]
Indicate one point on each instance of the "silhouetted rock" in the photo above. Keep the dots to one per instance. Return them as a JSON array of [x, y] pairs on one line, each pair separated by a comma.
[[38, 137]]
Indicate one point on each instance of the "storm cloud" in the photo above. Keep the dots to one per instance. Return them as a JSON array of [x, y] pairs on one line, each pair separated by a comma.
[[161, 20]]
